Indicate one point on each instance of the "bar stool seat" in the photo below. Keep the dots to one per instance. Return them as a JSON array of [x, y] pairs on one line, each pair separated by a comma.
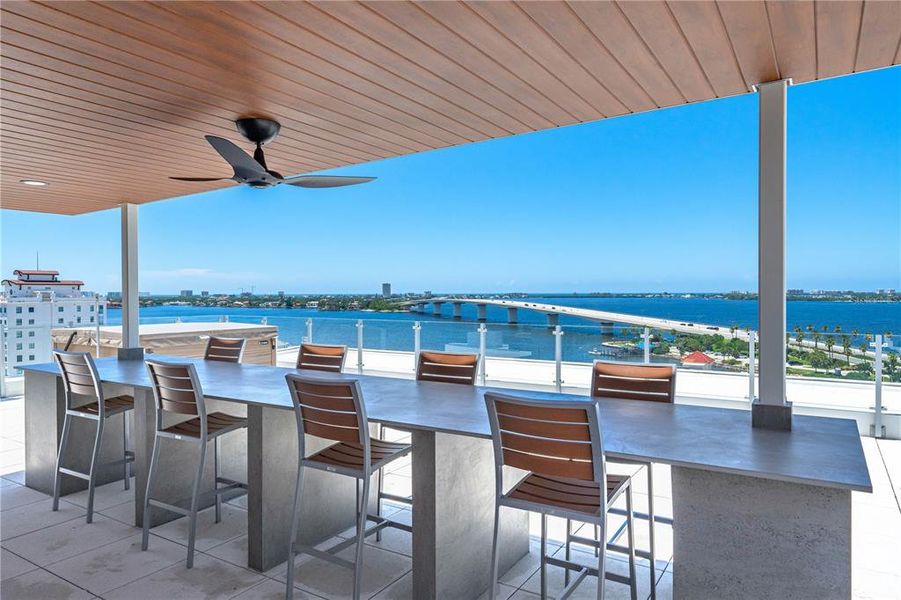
[[217, 424], [569, 494], [350, 455], [112, 406]]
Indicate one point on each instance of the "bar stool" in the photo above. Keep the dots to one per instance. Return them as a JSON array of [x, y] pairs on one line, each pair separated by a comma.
[[225, 349], [631, 381], [559, 444], [442, 367], [177, 391], [321, 357], [334, 410], [80, 379]]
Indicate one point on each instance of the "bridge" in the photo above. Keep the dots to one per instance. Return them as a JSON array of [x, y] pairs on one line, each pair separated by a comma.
[[606, 319]]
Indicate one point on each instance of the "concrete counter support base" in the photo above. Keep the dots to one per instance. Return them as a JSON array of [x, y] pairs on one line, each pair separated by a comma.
[[45, 410], [746, 537], [453, 517]]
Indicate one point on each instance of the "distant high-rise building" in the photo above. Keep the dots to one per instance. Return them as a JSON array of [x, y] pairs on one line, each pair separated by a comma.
[[427, 294], [281, 294], [794, 292], [204, 294], [35, 301], [186, 293], [386, 290]]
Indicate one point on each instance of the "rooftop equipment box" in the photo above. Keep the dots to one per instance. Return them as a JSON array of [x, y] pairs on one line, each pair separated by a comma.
[[173, 339]]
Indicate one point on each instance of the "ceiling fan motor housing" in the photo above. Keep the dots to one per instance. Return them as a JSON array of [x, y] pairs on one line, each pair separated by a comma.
[[258, 130]]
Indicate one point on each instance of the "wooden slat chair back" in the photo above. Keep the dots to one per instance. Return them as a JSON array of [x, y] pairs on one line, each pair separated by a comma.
[[630, 381], [80, 379], [445, 367], [225, 349], [553, 438], [558, 443], [321, 357], [330, 410], [177, 390]]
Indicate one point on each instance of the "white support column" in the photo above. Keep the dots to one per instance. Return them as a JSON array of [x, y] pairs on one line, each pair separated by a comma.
[[131, 343], [771, 410]]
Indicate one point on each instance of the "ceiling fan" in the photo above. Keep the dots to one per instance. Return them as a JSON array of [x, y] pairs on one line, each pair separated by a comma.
[[253, 171]]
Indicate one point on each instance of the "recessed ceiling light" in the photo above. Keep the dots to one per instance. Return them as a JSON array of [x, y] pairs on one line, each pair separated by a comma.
[[33, 182]]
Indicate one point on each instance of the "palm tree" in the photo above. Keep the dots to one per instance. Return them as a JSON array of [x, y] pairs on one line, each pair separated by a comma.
[[733, 329], [846, 347], [891, 366], [830, 342], [816, 339], [799, 336]]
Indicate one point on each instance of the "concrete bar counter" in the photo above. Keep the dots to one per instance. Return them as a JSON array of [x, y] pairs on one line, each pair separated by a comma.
[[757, 513]]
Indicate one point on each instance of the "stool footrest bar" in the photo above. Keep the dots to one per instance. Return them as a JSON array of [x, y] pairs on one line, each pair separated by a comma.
[[72, 473], [396, 498]]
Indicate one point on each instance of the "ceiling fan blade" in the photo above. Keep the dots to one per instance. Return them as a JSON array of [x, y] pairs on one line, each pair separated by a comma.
[[325, 181], [243, 164], [201, 178]]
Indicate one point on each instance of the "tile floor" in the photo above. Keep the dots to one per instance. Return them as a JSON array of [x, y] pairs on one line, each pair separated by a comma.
[[46, 555]]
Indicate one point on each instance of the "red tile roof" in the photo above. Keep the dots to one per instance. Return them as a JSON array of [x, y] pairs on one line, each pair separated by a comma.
[[34, 272], [698, 358], [39, 282]]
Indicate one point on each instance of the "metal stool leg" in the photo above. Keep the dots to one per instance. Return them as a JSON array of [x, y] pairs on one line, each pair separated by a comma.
[[125, 473], [295, 518], [381, 484], [597, 536], [192, 524], [361, 537], [92, 474], [216, 479], [492, 593], [63, 442], [543, 556], [151, 474], [602, 560], [651, 526], [633, 583], [568, 544]]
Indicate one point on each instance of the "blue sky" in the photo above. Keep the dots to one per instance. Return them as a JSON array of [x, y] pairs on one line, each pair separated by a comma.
[[656, 201]]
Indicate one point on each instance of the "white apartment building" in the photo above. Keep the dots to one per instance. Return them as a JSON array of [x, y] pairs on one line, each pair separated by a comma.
[[34, 302]]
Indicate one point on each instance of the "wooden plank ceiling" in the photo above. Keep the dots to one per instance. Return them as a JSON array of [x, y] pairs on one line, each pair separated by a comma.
[[105, 100]]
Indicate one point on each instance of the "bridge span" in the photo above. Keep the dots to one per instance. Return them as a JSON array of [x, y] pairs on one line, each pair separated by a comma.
[[606, 319]]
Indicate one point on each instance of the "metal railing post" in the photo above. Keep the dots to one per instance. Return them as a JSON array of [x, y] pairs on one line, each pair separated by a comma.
[[646, 340], [877, 367], [558, 357], [417, 343], [309, 337], [483, 348], [3, 359], [360, 345], [752, 367], [96, 324]]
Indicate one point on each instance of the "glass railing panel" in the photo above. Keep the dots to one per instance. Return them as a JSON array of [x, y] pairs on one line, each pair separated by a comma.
[[831, 369], [334, 331], [449, 336], [387, 346], [520, 354]]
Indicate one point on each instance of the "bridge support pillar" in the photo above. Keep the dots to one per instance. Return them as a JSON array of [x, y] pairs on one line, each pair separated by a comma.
[[606, 327], [458, 310], [553, 319], [436, 308], [481, 312], [512, 315]]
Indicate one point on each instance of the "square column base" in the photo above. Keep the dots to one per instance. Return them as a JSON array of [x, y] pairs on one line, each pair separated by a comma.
[[771, 416], [130, 354]]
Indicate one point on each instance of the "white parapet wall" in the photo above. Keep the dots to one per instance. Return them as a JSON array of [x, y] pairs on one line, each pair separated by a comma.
[[810, 396]]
